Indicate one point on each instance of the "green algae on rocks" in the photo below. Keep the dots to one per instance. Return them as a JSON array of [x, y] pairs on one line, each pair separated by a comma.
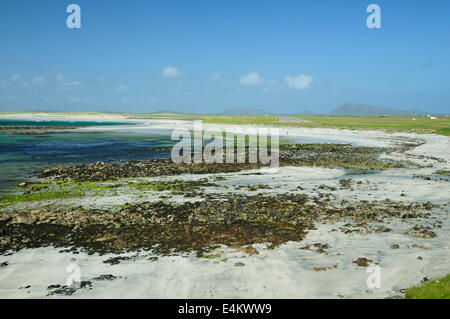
[[61, 189]]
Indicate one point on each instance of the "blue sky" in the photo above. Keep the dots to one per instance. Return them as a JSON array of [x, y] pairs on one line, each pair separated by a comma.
[[207, 56]]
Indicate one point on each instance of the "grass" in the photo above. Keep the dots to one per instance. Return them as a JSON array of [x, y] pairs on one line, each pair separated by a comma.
[[435, 289], [421, 124]]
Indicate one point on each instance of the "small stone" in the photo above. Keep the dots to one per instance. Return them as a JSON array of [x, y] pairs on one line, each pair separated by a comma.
[[383, 229], [362, 262], [25, 218], [105, 277]]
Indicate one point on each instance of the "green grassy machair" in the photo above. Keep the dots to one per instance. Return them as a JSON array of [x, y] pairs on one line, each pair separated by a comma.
[[434, 289]]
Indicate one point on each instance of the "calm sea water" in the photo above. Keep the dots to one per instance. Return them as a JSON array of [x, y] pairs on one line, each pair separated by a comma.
[[25, 156], [57, 123]]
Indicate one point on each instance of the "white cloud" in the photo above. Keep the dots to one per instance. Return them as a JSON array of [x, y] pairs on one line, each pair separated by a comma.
[[16, 77], [221, 77], [26, 84], [71, 85], [300, 82], [60, 77], [121, 88], [38, 80], [65, 84], [170, 72], [252, 78]]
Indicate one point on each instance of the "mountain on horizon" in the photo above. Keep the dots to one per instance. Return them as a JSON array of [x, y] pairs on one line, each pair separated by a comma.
[[356, 109]]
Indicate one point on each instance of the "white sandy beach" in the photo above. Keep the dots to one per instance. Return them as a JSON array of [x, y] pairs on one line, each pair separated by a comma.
[[283, 272]]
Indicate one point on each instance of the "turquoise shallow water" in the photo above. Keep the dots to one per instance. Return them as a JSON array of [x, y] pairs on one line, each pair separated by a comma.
[[24, 156], [57, 123]]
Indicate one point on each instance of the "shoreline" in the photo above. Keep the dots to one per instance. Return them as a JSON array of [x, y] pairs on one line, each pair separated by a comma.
[[432, 144], [301, 272]]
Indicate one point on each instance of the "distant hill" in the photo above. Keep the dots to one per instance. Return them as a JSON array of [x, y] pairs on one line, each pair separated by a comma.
[[245, 111], [355, 109]]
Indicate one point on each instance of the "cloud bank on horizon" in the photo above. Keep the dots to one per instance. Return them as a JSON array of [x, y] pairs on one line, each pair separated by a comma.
[[204, 57]]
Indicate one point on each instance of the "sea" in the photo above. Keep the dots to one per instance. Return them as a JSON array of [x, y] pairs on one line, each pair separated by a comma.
[[23, 157]]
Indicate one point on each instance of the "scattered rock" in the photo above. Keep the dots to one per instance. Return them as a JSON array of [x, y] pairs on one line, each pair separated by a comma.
[[248, 250], [105, 277], [68, 291], [422, 232], [325, 268], [115, 260], [235, 220], [383, 229], [345, 183], [362, 262]]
